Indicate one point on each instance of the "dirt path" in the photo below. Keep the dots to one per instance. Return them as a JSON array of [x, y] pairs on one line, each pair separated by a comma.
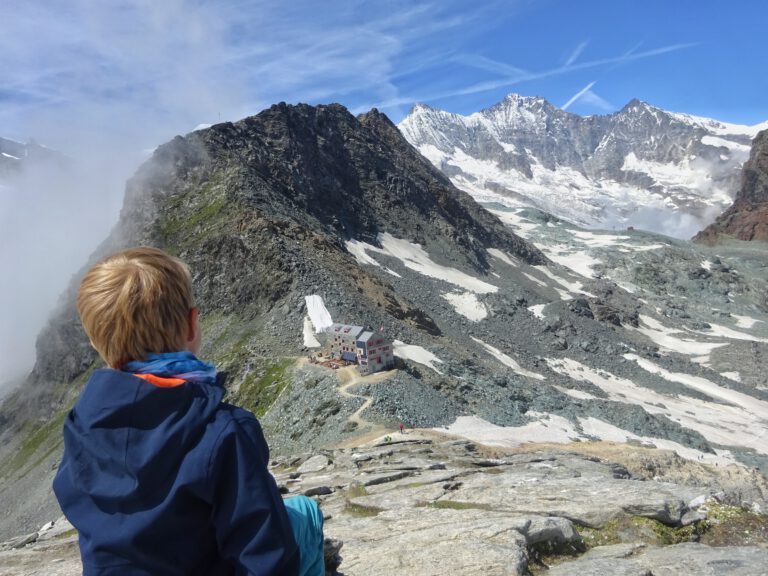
[[349, 377]]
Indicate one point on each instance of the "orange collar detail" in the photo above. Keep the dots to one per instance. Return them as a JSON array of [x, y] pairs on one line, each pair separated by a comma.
[[161, 382]]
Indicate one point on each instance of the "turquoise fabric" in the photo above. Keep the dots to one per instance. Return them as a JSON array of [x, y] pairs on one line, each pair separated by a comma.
[[307, 522]]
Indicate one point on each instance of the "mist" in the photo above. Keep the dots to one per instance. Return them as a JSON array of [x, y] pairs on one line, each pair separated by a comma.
[[104, 82], [100, 86]]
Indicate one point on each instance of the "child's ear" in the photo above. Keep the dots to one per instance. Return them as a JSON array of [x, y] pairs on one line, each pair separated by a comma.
[[194, 336]]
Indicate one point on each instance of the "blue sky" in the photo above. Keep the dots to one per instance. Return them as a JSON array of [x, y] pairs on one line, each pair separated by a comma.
[[149, 69]]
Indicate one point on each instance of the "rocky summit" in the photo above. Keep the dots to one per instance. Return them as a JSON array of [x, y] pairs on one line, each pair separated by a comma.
[[747, 218], [513, 332]]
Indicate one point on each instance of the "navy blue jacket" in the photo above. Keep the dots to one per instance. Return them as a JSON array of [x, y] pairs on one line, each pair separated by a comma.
[[170, 481]]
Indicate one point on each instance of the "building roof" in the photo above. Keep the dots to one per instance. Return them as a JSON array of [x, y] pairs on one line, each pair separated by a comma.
[[345, 330], [364, 337]]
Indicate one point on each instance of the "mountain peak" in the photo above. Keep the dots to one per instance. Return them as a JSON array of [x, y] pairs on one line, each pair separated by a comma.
[[421, 108], [639, 106], [519, 99]]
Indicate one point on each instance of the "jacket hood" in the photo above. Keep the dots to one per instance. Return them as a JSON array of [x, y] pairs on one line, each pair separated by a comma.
[[124, 433]]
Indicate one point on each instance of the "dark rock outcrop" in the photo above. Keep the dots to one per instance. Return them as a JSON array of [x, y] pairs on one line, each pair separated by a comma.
[[747, 218]]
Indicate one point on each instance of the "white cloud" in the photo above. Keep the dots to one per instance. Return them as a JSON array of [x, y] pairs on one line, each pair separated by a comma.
[[587, 96], [576, 53], [490, 65], [578, 95], [513, 80]]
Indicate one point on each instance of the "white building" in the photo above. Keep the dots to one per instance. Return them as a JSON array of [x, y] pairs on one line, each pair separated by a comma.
[[372, 351], [344, 340]]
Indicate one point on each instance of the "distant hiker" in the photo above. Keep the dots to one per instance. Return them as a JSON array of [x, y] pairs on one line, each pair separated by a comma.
[[159, 476], [402, 427]]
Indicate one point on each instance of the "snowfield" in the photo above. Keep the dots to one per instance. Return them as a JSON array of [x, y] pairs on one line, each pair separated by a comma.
[[416, 354], [664, 337], [310, 341], [467, 305], [731, 423], [414, 257], [318, 313], [508, 361]]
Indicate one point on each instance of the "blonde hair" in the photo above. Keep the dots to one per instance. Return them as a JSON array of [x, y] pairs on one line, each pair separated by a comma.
[[135, 302]]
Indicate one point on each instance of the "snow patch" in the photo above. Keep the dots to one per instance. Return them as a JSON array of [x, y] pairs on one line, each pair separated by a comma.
[[725, 424], [735, 376], [663, 336], [414, 257], [537, 310], [467, 305], [725, 332], [358, 250], [599, 240], [496, 253], [546, 428], [309, 335], [416, 354], [536, 280], [522, 226], [745, 321], [578, 394], [579, 262], [507, 361], [734, 397], [318, 313], [575, 287], [597, 428]]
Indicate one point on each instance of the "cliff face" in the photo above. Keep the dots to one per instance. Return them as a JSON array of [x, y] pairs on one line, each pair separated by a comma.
[[747, 218]]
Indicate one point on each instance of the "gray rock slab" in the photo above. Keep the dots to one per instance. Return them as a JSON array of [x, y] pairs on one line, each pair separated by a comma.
[[690, 558], [314, 464], [589, 501], [55, 529], [549, 529], [53, 558], [397, 499], [431, 542], [438, 477]]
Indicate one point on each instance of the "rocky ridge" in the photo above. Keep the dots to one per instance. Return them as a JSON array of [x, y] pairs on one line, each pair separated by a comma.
[[425, 503], [747, 218]]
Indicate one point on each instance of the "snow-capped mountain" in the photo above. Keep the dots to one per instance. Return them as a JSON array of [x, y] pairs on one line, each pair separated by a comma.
[[14, 156], [11, 155], [641, 167]]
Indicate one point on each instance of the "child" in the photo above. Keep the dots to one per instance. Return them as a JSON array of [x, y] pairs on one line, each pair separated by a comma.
[[159, 476]]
